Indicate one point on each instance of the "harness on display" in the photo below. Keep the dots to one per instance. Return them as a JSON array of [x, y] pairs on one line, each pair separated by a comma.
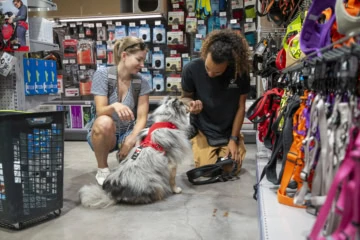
[[147, 142]]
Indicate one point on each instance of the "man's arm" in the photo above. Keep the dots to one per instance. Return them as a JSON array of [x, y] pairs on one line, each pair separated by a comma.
[[239, 117]]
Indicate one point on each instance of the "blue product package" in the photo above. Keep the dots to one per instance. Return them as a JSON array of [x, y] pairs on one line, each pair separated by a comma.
[[120, 32], [144, 33], [53, 72], [158, 60], [250, 37], [185, 60], [159, 34], [202, 30], [198, 44], [134, 31], [39, 77], [158, 83], [29, 76], [148, 77], [215, 7]]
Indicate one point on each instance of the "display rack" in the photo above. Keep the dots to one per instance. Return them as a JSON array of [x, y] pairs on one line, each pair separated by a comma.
[[41, 5], [278, 221]]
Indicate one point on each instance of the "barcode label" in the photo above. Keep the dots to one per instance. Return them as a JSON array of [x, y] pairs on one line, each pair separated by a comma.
[[91, 25], [118, 23], [132, 24], [176, 5], [108, 22], [233, 21], [175, 27], [249, 20], [201, 22], [79, 23], [173, 52], [99, 61], [143, 22], [156, 49], [72, 61], [222, 14], [82, 67], [185, 55], [98, 25], [81, 35], [67, 37], [157, 23], [72, 25], [144, 70], [65, 61]]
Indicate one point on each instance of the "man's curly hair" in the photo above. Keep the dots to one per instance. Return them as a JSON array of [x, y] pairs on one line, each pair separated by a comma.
[[228, 46]]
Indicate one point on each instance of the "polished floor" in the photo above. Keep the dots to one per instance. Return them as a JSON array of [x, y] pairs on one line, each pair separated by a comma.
[[221, 211]]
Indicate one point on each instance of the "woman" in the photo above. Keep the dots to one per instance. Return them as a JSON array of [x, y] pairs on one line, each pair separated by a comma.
[[115, 127], [20, 19]]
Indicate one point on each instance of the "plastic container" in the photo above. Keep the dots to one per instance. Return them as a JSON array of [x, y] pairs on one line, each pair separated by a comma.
[[31, 166]]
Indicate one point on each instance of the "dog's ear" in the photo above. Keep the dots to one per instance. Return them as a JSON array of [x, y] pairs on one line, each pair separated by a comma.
[[166, 99]]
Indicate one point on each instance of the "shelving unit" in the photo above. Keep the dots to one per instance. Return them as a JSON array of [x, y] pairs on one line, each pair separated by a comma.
[[278, 221], [41, 5]]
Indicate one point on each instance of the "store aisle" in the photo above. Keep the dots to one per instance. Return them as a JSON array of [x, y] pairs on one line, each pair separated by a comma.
[[221, 211]]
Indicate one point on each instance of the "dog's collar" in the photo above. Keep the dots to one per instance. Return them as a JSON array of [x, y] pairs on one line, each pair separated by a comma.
[[147, 140]]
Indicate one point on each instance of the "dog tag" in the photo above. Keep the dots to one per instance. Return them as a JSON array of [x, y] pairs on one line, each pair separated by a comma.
[[136, 153]]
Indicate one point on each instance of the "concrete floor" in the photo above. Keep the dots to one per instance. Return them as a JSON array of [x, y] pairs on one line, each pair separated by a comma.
[[221, 211]]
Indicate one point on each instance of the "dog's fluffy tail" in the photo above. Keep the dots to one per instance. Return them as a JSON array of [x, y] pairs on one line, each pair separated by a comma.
[[93, 196]]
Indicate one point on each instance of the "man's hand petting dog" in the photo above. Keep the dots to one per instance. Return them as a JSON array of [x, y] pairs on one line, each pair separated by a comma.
[[195, 107]]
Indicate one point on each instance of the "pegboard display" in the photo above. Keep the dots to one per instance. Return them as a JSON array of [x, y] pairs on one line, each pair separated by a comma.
[[8, 91]]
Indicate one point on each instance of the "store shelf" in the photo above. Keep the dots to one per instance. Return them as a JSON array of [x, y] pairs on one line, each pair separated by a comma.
[[37, 46], [278, 221], [41, 5]]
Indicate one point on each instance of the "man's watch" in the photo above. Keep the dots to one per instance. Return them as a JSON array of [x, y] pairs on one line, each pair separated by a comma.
[[234, 138]]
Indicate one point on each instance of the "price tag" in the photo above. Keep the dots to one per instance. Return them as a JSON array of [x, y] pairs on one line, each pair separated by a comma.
[[199, 36], [175, 27], [99, 61], [143, 22], [79, 23], [251, 74], [81, 35], [201, 22], [82, 67], [72, 25], [144, 70], [222, 14], [98, 25], [118, 23], [65, 61], [132, 24], [67, 37], [72, 61], [249, 20], [157, 23], [173, 52], [191, 14], [98, 42], [176, 5], [108, 22], [156, 49], [87, 102], [251, 48], [253, 81], [91, 25], [185, 55], [233, 21]]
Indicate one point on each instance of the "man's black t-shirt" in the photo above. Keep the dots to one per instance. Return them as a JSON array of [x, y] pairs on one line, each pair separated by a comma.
[[220, 98]]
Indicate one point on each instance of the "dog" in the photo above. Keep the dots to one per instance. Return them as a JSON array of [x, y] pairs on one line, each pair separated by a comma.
[[148, 172]]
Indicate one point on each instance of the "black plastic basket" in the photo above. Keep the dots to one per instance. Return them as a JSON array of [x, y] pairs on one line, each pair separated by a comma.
[[31, 166]]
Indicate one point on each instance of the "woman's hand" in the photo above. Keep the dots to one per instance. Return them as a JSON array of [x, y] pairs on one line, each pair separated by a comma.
[[126, 146], [124, 112]]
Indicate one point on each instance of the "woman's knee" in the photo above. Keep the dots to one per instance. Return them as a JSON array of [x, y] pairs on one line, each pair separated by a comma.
[[103, 125]]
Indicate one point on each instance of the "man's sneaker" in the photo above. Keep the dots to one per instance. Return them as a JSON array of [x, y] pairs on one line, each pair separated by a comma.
[[101, 175]]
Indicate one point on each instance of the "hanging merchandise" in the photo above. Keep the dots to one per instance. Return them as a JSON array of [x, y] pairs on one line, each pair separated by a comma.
[[159, 34], [203, 9], [119, 33], [101, 34], [134, 31], [190, 5], [158, 83], [347, 16], [144, 33], [294, 53], [315, 35], [85, 52]]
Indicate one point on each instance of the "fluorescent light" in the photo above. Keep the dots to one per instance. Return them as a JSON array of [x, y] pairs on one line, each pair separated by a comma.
[[109, 18]]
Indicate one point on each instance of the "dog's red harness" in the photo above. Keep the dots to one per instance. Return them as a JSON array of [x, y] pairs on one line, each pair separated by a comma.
[[147, 140]]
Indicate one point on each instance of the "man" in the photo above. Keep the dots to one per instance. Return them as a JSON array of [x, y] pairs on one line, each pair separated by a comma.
[[20, 19], [215, 87]]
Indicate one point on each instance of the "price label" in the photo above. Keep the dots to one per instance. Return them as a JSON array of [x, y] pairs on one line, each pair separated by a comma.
[[191, 14], [251, 48], [86, 24], [156, 49], [173, 52], [81, 35], [118, 23], [91, 25], [175, 27], [98, 25], [72, 61], [199, 36], [72, 25], [176, 5], [233, 21], [67, 37], [249, 20], [108, 22], [65, 61], [87, 102], [201, 22], [222, 14], [99, 61], [157, 23], [79, 23], [144, 70], [251, 74], [82, 67], [132, 24], [143, 22], [185, 55], [98, 42]]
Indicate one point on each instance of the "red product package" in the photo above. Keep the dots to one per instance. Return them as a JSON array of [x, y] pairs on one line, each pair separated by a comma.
[[70, 48]]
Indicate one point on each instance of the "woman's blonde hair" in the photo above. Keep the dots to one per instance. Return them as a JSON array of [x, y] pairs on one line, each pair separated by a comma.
[[129, 44]]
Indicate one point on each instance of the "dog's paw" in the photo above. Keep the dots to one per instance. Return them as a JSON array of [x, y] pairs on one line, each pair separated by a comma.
[[177, 190]]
